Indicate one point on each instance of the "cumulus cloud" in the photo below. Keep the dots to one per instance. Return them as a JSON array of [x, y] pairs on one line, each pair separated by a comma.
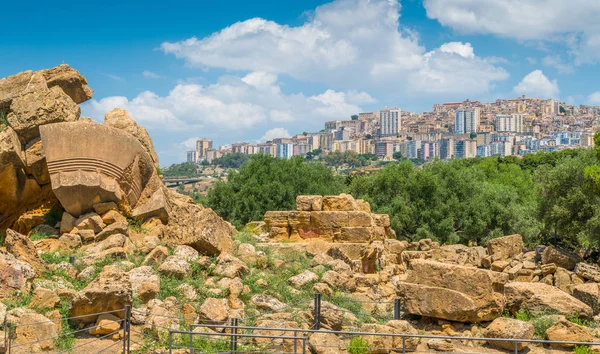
[[232, 104], [150, 75], [572, 22], [275, 133], [372, 50], [537, 84], [594, 99]]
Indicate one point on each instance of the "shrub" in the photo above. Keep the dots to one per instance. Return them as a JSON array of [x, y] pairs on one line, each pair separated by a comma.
[[541, 324], [523, 315], [582, 349], [36, 236], [358, 345], [53, 258], [54, 215]]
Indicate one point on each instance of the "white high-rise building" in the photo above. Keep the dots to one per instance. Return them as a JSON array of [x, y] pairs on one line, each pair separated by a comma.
[[509, 123], [467, 121], [389, 121]]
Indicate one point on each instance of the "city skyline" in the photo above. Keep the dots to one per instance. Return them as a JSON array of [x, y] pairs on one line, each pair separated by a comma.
[[239, 71]]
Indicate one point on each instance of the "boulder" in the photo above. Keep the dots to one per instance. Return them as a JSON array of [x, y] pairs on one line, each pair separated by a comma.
[[214, 310], [266, 302], [325, 343], [309, 203], [502, 248], [306, 277], [69, 242], [230, 267], [567, 331], [589, 294], [36, 162], [106, 324], [588, 271], [103, 208], [384, 344], [332, 317], [110, 291], [24, 250], [12, 175], [139, 276], [14, 274], [155, 207], [452, 292], [509, 328], [161, 317], [112, 229], [156, 256], [440, 345], [70, 81], [44, 300], [113, 217], [18, 85], [32, 110], [247, 253], [120, 119], [147, 291], [67, 223], [561, 258], [175, 266], [201, 228], [187, 253], [539, 297], [32, 331]]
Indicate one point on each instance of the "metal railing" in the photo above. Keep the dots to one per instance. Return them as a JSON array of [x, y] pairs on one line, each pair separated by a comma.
[[233, 336]]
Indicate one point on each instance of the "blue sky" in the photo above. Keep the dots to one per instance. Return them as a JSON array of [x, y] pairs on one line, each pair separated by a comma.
[[252, 70]]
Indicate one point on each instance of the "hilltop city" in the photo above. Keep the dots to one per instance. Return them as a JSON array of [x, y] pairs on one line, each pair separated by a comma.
[[451, 130]]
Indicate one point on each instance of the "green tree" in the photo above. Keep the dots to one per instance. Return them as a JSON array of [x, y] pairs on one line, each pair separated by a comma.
[[233, 160], [265, 183], [186, 169], [397, 156], [354, 117]]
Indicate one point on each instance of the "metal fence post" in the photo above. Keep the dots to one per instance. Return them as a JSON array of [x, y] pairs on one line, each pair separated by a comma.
[[233, 343], [304, 345], [295, 342], [170, 342], [317, 312], [126, 319], [191, 329], [396, 309], [516, 347], [6, 348], [403, 345]]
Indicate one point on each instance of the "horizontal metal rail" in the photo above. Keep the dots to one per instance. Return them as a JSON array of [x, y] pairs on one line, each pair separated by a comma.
[[398, 335]]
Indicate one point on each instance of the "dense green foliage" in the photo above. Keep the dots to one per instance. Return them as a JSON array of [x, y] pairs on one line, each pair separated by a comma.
[[186, 169], [233, 160], [348, 158], [546, 197], [266, 183]]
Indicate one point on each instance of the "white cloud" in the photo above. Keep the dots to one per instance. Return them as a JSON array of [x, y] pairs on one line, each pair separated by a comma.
[[531, 60], [537, 84], [150, 75], [464, 50], [275, 133], [594, 99], [556, 62], [573, 22], [232, 104], [345, 44], [189, 143], [115, 77]]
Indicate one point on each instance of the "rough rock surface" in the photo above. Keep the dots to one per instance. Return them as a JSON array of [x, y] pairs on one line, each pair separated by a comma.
[[509, 328], [542, 297], [452, 292], [568, 331], [201, 228], [32, 338], [506, 247], [110, 291]]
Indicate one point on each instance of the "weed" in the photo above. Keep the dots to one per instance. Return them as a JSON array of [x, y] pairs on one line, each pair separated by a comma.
[[18, 299], [136, 225], [523, 315], [582, 349], [541, 324], [246, 236], [53, 258], [3, 121], [36, 236], [578, 321], [358, 345], [2, 238], [66, 340]]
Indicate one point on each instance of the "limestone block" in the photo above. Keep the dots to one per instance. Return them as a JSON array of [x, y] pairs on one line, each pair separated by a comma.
[[342, 202], [359, 219], [18, 85], [36, 162], [157, 206], [309, 203], [94, 163], [329, 219], [354, 235], [502, 248], [276, 218]]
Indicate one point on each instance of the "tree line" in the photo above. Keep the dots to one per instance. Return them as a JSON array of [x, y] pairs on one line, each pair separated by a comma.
[[546, 197]]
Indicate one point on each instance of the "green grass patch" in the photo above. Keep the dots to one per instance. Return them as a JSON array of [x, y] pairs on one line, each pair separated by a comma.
[[358, 345], [245, 236], [36, 236], [66, 341], [583, 349], [18, 299], [54, 258]]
